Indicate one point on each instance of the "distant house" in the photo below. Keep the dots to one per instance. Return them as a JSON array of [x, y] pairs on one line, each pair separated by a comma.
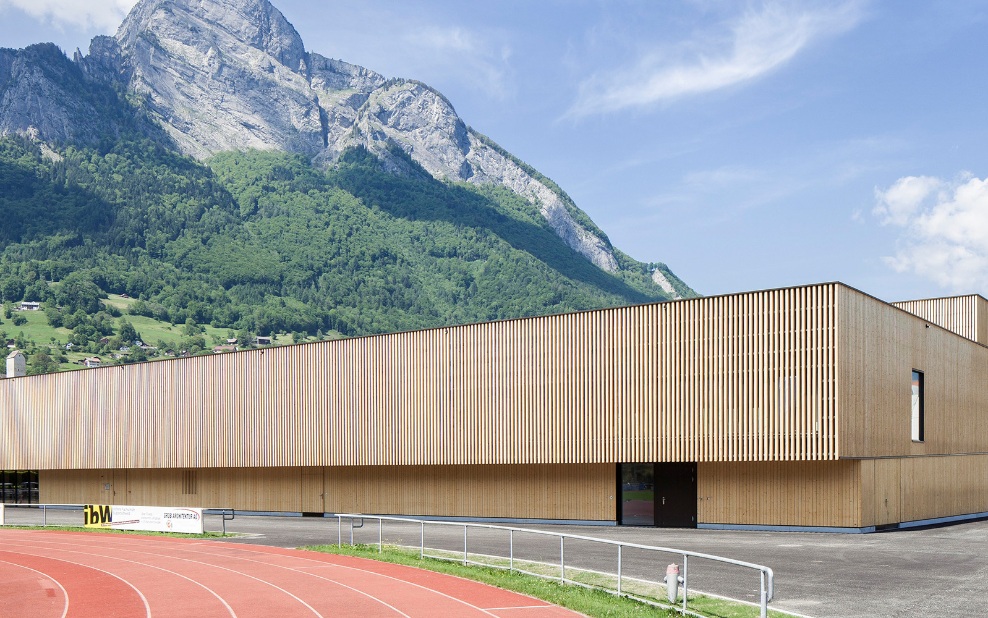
[[30, 305], [69, 345], [220, 349], [16, 364], [92, 362], [231, 341], [264, 341]]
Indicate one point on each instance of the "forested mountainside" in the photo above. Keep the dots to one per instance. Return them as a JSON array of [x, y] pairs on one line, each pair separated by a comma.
[[204, 163], [266, 242]]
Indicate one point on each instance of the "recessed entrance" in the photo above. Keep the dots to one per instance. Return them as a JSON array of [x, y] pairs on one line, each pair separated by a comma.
[[659, 494], [19, 486]]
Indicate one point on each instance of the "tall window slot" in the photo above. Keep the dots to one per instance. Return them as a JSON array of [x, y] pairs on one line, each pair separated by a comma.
[[918, 420]]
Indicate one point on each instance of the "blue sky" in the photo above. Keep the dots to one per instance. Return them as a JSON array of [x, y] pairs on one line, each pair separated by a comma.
[[748, 145]]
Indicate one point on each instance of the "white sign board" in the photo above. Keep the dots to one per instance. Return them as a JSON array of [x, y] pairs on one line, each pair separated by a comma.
[[149, 518]]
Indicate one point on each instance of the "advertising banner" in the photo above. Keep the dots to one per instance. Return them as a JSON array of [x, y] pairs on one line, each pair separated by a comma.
[[150, 518]]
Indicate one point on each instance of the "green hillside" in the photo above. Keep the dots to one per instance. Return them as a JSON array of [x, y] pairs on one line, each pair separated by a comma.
[[261, 243]]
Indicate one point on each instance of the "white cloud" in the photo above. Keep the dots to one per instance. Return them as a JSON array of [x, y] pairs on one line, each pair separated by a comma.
[[757, 42], [945, 229], [468, 55], [103, 15]]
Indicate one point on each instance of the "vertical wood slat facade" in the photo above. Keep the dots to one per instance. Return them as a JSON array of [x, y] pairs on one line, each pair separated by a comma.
[[795, 403], [965, 315], [744, 377]]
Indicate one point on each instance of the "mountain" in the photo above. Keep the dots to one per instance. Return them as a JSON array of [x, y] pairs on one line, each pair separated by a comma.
[[125, 158]]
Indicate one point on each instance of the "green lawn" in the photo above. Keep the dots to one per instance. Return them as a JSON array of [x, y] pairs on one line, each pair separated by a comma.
[[36, 329], [591, 602]]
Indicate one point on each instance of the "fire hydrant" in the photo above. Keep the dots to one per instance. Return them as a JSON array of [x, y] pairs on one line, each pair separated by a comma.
[[672, 580]]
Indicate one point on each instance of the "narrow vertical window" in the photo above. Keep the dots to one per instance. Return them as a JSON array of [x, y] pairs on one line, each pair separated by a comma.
[[918, 421]]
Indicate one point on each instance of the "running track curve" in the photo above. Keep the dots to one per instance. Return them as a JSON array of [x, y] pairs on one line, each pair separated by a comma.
[[50, 574]]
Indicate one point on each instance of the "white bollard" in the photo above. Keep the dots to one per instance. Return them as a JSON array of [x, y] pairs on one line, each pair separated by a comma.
[[672, 582]]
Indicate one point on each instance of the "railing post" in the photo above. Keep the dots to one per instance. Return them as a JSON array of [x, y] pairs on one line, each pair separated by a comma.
[[620, 547], [562, 559], [339, 530], [351, 530], [511, 550], [44, 515], [686, 581], [422, 540], [380, 535], [464, 544], [764, 608]]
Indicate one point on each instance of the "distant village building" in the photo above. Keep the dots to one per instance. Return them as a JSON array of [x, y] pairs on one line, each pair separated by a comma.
[[92, 362], [30, 305], [16, 364], [264, 341]]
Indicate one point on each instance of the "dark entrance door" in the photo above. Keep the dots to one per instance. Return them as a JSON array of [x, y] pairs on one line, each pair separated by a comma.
[[675, 495], [662, 494]]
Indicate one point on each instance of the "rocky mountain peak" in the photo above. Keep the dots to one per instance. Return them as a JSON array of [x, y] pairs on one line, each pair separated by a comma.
[[233, 75], [255, 23]]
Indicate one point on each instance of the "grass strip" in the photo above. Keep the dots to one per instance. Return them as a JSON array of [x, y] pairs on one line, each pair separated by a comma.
[[588, 601]]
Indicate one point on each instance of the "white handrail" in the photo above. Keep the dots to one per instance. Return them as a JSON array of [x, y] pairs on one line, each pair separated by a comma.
[[767, 576]]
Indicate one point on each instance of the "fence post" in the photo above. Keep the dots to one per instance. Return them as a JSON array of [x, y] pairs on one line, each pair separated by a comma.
[[339, 530], [464, 544], [686, 581], [764, 608], [422, 540], [511, 550], [620, 547], [562, 559], [380, 535]]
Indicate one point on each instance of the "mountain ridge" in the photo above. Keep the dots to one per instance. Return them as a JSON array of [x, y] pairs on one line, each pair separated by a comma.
[[233, 75]]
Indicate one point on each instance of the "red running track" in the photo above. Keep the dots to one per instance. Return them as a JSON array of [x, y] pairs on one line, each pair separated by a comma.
[[47, 574]]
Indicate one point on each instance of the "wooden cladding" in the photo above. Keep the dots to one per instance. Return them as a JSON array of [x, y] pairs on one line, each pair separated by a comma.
[[965, 315], [745, 377], [780, 493], [881, 347], [920, 488], [572, 492]]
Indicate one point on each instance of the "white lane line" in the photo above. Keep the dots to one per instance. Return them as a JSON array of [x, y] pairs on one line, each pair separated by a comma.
[[121, 547], [65, 594], [90, 553], [147, 608], [365, 571], [215, 566]]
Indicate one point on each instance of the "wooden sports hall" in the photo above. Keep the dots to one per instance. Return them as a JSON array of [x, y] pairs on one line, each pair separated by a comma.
[[807, 407]]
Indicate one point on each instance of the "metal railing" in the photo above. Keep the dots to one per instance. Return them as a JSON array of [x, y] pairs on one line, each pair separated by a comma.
[[514, 561], [227, 514]]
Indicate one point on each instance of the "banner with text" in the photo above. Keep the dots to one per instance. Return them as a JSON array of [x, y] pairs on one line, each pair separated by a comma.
[[149, 518]]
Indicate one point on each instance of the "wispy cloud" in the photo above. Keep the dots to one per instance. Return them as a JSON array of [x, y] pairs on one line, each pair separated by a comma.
[[473, 58], [89, 14], [945, 229], [755, 43]]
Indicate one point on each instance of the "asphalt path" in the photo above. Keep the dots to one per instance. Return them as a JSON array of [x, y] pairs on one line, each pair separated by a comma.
[[935, 571]]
